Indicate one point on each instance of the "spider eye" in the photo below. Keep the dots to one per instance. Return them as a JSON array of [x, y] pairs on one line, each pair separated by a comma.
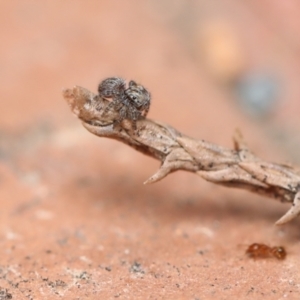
[[133, 97]]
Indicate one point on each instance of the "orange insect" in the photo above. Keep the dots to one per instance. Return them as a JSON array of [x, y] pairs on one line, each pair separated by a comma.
[[263, 251]]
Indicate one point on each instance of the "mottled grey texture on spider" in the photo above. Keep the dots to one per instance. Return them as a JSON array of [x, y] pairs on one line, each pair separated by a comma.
[[132, 102]]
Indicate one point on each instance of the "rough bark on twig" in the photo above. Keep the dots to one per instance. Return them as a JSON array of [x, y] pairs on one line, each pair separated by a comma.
[[238, 167]]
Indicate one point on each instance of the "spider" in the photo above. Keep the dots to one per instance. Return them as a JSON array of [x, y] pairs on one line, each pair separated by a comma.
[[132, 103]]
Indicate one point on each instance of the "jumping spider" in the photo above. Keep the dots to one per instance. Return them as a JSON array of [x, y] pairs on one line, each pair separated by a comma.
[[132, 103]]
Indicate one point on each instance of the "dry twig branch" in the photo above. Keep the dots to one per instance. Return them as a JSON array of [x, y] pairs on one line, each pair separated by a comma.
[[233, 168]]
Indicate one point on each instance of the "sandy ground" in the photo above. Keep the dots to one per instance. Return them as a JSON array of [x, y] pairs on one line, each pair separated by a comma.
[[76, 222]]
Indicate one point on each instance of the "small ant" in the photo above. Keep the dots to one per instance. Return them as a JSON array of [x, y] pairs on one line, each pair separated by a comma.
[[263, 251]]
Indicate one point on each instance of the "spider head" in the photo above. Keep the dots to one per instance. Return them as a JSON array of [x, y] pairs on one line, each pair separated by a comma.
[[138, 95]]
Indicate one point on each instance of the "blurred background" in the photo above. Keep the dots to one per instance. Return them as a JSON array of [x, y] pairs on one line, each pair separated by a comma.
[[198, 58], [71, 202]]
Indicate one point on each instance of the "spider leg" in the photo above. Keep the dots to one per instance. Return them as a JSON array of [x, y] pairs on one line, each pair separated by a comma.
[[122, 114], [146, 110], [109, 107], [116, 104], [130, 113], [134, 115]]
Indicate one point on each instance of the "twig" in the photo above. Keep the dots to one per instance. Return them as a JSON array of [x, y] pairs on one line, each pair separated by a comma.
[[233, 168]]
